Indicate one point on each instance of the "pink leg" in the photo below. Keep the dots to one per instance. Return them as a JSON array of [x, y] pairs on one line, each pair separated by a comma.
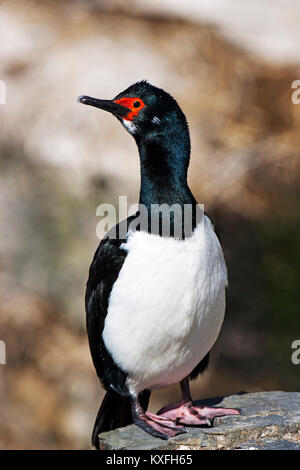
[[186, 413], [164, 421], [157, 426]]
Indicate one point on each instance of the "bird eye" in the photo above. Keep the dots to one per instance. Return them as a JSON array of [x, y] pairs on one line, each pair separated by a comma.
[[136, 104]]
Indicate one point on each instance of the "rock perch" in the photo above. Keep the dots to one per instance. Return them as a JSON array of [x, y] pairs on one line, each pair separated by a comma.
[[271, 421]]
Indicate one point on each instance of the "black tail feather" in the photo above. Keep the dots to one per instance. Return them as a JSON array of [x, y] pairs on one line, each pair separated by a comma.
[[115, 412]]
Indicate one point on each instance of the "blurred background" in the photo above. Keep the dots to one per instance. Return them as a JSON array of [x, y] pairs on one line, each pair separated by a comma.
[[230, 65]]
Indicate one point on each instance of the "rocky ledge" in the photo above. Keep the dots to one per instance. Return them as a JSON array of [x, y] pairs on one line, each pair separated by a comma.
[[271, 420]]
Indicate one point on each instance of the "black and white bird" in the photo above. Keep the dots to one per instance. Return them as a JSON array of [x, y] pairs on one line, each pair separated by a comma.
[[154, 303]]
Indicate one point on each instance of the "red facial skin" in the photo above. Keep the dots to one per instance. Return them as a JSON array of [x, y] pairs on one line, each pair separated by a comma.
[[128, 103]]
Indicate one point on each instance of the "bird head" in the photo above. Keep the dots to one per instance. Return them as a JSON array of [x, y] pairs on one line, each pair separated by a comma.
[[143, 109]]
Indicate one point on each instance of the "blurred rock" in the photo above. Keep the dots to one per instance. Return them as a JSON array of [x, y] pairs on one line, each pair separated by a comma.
[[268, 29]]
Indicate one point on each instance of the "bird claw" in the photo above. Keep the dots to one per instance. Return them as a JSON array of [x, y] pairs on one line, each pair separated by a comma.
[[158, 426]]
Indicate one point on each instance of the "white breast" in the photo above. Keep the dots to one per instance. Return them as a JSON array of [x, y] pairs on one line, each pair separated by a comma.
[[166, 307]]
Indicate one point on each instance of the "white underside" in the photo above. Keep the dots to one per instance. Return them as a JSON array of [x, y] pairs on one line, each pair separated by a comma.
[[166, 307]]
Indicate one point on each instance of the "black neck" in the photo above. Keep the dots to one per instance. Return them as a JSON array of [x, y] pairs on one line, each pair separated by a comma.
[[164, 163]]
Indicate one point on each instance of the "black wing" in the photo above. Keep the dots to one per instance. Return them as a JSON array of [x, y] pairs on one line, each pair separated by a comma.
[[104, 270]]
